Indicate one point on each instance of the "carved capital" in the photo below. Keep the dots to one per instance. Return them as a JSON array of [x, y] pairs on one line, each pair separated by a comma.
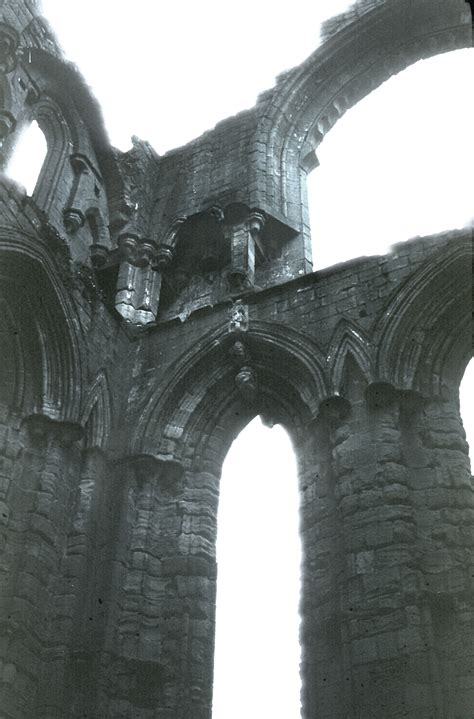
[[128, 248], [144, 253], [9, 41], [163, 257], [256, 223], [73, 220]]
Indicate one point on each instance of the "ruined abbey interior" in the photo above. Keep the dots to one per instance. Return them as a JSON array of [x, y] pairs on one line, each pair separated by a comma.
[[151, 307]]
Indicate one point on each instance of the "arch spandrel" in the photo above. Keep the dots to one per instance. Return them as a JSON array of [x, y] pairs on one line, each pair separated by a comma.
[[348, 339], [423, 335], [204, 394], [352, 62]]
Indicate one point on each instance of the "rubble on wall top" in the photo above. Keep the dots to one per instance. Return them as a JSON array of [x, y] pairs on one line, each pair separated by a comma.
[[330, 27]]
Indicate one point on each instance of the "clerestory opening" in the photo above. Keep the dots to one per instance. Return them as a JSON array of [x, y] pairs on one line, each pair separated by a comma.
[[28, 157], [257, 654], [396, 165]]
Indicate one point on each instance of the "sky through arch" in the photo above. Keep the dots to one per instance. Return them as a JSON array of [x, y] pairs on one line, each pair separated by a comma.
[[258, 553], [28, 157], [398, 164]]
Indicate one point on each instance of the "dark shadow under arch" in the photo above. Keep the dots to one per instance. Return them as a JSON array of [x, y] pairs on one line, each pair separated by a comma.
[[202, 396], [48, 356]]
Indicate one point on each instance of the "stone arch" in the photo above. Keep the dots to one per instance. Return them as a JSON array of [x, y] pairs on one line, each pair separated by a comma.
[[423, 336], [47, 342], [55, 128], [192, 427], [352, 61], [96, 415], [201, 398], [70, 117], [348, 340]]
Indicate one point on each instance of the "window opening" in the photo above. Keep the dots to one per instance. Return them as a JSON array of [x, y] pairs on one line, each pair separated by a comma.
[[256, 667], [28, 157], [397, 164]]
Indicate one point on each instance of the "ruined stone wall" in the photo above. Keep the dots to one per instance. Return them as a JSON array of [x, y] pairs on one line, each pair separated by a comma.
[[145, 320]]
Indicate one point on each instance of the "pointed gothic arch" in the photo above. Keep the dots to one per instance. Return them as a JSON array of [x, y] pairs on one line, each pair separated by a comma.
[[348, 340], [423, 335], [202, 391], [357, 55], [49, 338], [96, 415]]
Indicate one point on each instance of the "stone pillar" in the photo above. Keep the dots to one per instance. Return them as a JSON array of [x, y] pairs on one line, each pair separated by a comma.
[[400, 580], [158, 649], [197, 592], [322, 660], [442, 490], [85, 581], [39, 505], [380, 617]]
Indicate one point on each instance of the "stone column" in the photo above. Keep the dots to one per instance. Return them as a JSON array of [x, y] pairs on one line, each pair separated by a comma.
[[196, 585], [380, 613], [442, 489], [375, 624], [39, 504], [158, 648], [322, 661], [85, 575]]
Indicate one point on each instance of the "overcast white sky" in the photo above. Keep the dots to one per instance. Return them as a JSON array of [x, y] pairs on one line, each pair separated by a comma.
[[397, 165]]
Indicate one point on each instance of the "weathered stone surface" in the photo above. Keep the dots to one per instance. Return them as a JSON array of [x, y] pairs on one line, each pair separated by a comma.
[[113, 432]]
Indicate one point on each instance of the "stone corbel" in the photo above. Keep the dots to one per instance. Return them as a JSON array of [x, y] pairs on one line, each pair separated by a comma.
[[139, 279], [246, 378], [239, 317], [9, 41]]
